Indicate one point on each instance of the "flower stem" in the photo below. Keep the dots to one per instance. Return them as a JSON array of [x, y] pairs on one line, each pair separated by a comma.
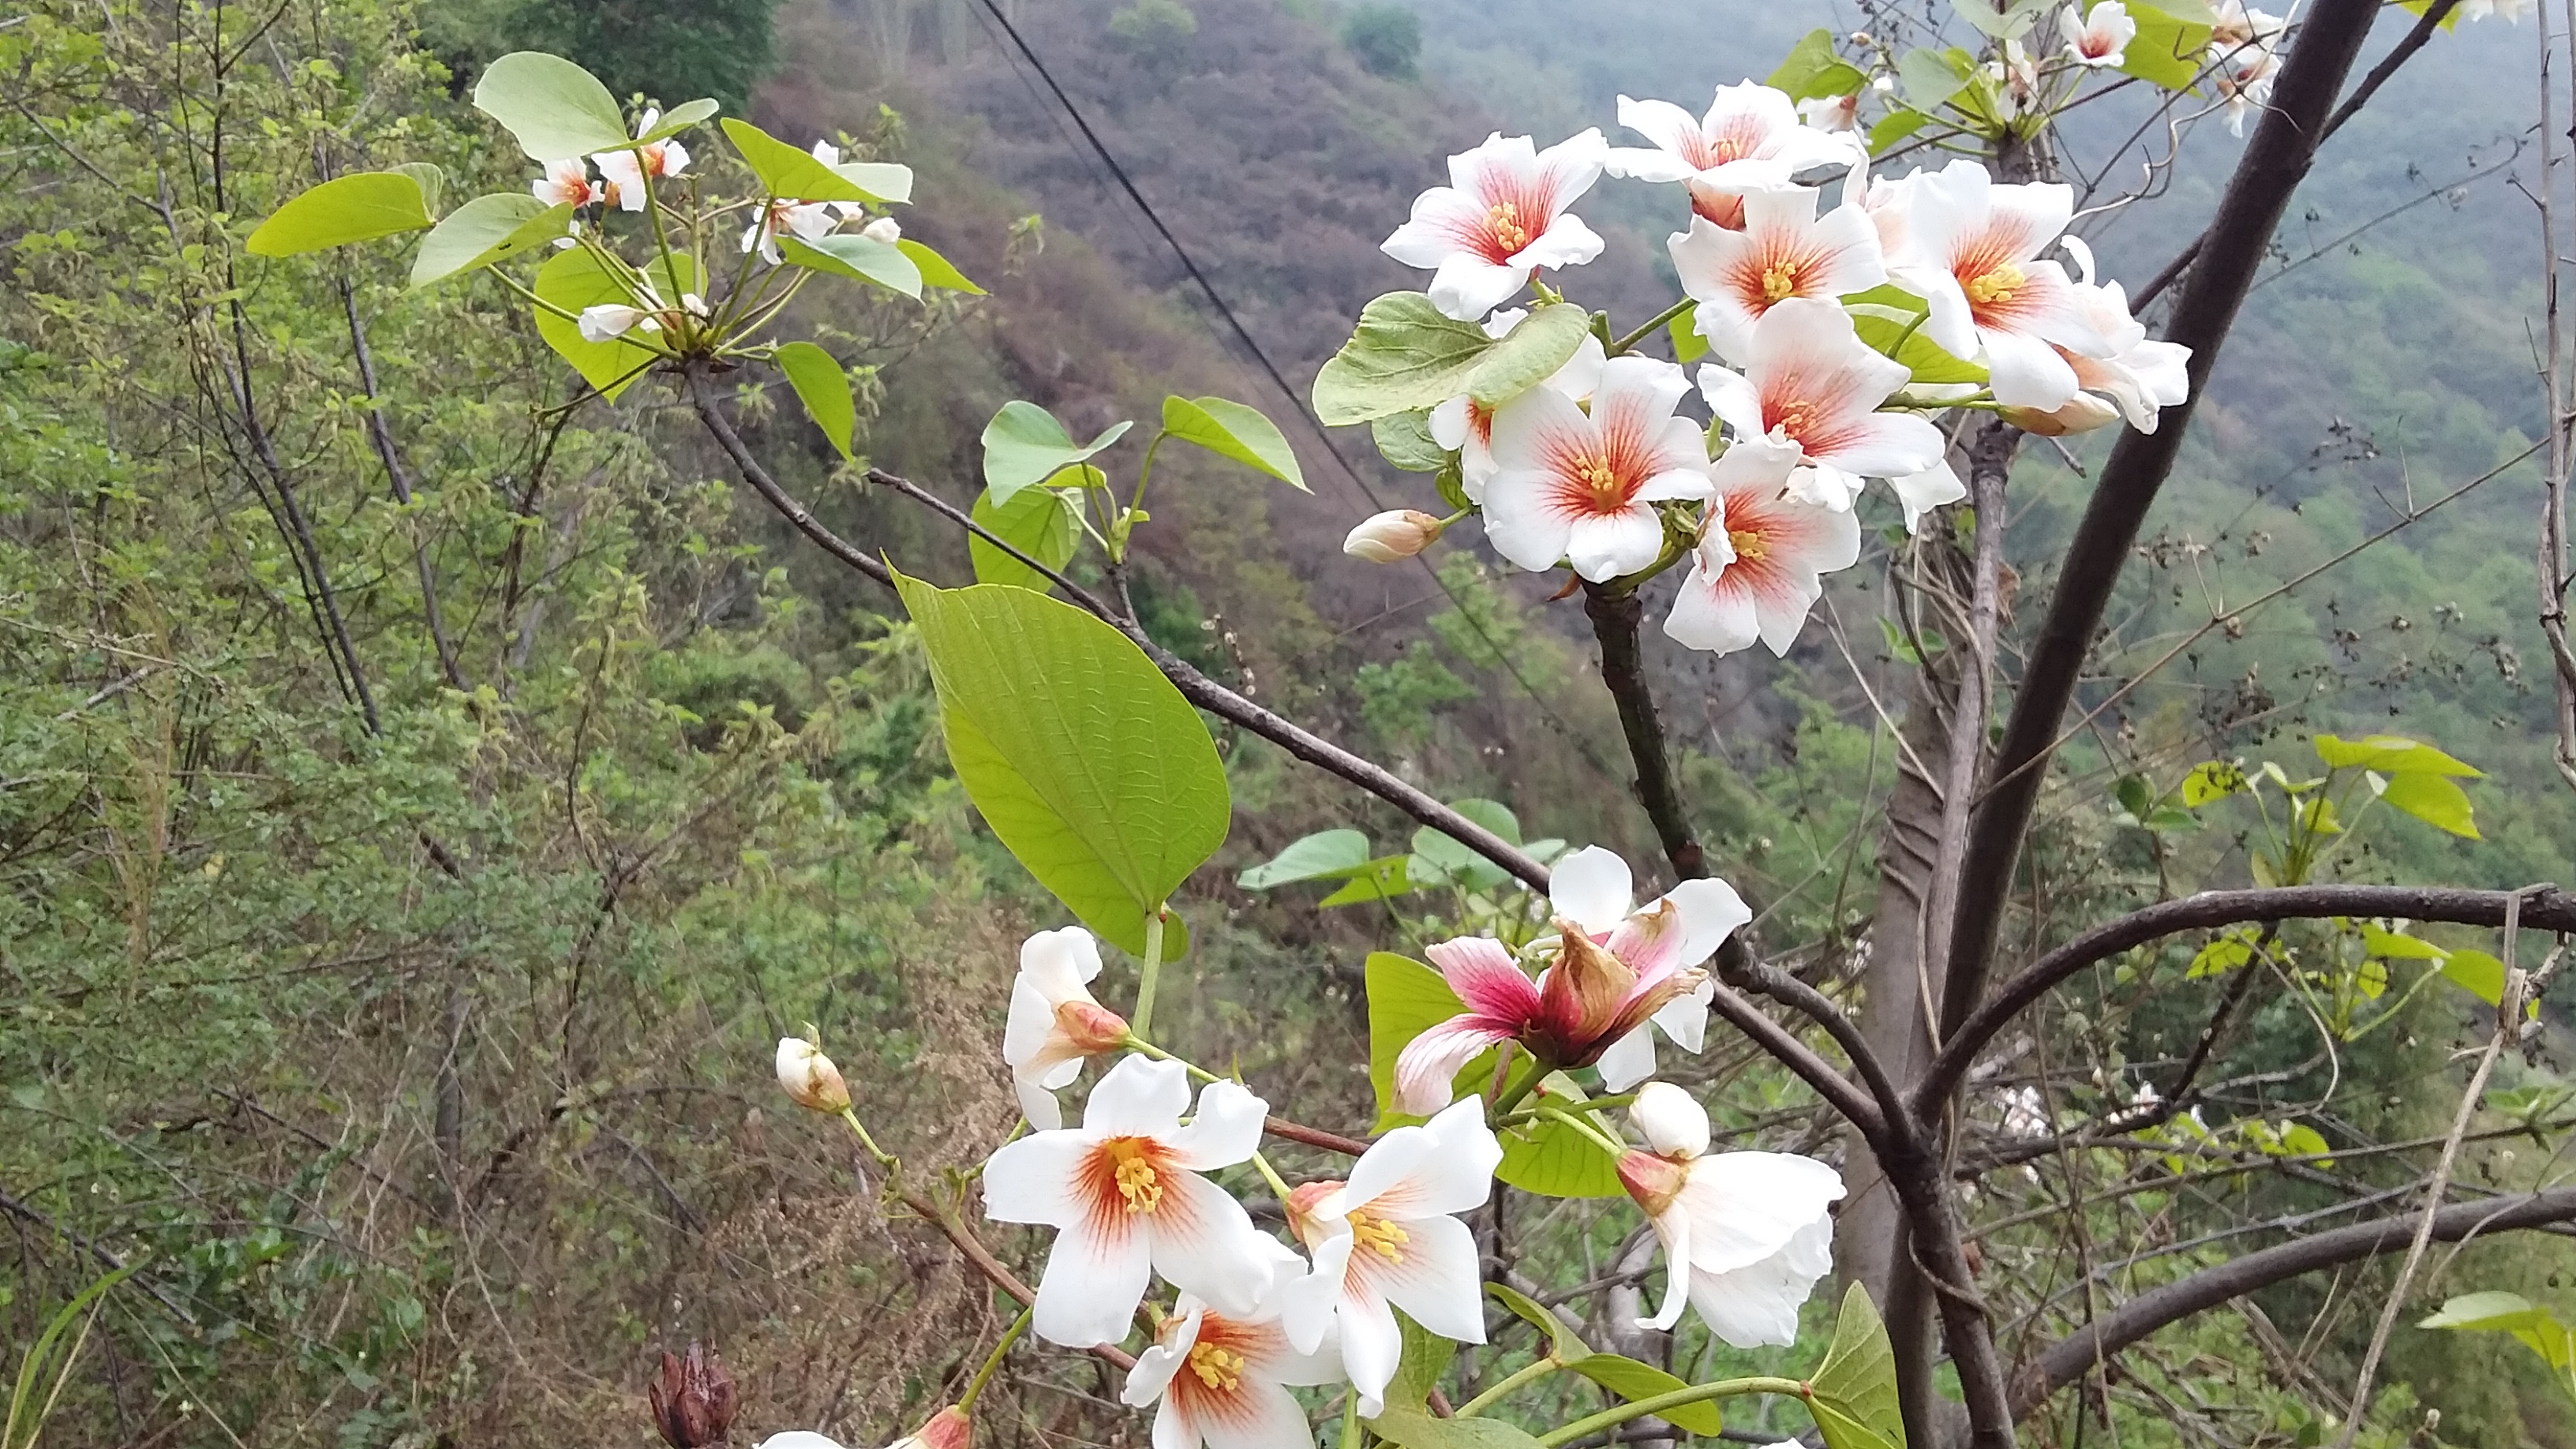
[[1511, 1097], [1270, 1174], [1657, 323], [1640, 1408], [993, 1360], [1141, 1024], [884, 1158], [1605, 1142], [1546, 1364]]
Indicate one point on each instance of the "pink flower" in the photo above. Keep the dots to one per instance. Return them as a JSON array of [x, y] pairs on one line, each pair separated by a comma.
[[566, 183], [1783, 251], [1615, 970], [1466, 427], [1971, 252], [1502, 216], [1580, 486], [1809, 380], [1750, 139], [1761, 557], [1220, 1379]]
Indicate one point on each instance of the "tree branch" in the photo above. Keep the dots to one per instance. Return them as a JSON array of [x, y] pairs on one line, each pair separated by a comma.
[[2549, 910], [380, 433], [1615, 613], [2276, 160]]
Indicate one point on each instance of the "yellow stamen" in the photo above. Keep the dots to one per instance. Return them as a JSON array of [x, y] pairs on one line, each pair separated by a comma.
[[1792, 420], [1504, 220], [1599, 480], [1996, 286], [1779, 281], [1379, 1235], [1749, 546], [1218, 1368], [1138, 1184]]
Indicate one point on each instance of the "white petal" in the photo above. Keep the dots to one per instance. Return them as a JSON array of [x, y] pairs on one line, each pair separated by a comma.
[[1567, 242], [1467, 287], [1091, 1287], [1061, 963], [1734, 398], [1580, 377], [1036, 1179], [1032, 1018], [1746, 1206], [1708, 618], [1608, 546], [1445, 1165], [1520, 523], [1164, 1357], [799, 1439], [1426, 1071], [1925, 491], [2027, 372], [1886, 445], [1711, 912], [1437, 1282], [1306, 1307], [1685, 1017], [1203, 1241], [1038, 1103], [1227, 1129], [1673, 1226], [1757, 1306], [1372, 1346], [1263, 1416], [1449, 423], [1593, 888], [1140, 1097], [1630, 1060]]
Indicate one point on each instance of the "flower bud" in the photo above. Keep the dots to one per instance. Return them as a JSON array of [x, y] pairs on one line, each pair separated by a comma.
[[1393, 536], [887, 230], [2082, 414], [1653, 1181], [1674, 1124], [1305, 1217], [692, 1399], [809, 1077], [947, 1429], [1091, 1026]]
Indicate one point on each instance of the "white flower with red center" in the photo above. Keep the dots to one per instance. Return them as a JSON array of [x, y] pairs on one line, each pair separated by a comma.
[[1762, 556], [1831, 113], [2098, 38], [2139, 378], [1582, 487], [1219, 1378], [2235, 25], [566, 183], [1749, 139], [1745, 1234], [625, 170], [2245, 84], [1125, 1194], [1810, 381], [1389, 1238], [1501, 217], [803, 220], [1783, 250], [1971, 252], [1055, 1025], [1616, 970], [1466, 427]]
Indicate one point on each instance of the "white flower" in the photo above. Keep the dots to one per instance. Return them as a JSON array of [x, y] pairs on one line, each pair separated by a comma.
[[1761, 557], [1831, 113], [2136, 378], [1675, 932], [808, 1076], [611, 320], [1389, 1239], [1671, 1121], [1218, 1378], [1749, 139], [1809, 380], [1393, 536], [884, 229], [2025, 1112], [2098, 38], [2246, 84], [566, 183], [2235, 25], [1466, 427], [625, 172], [1971, 252], [1581, 487], [1055, 1025], [1502, 216], [1124, 1193], [804, 220], [2511, 10], [1745, 1234], [800, 1439], [1783, 250]]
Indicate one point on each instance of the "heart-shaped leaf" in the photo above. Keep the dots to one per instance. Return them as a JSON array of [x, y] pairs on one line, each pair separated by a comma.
[[1044, 523], [795, 175], [824, 388], [1232, 430], [859, 258], [1025, 445], [936, 270], [1324, 855], [1853, 1393], [485, 230], [354, 208], [552, 107]]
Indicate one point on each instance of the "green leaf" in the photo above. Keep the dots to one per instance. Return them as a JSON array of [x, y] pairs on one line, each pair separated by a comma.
[[2391, 755], [2299, 1139], [1024, 445], [797, 175], [1044, 523], [1405, 999], [345, 209], [431, 181], [1563, 1343], [1414, 1429], [2434, 799], [1441, 860], [859, 258], [1853, 1393], [2169, 47], [679, 118], [2134, 794], [1530, 353], [1403, 357], [485, 230], [824, 389], [2397, 946], [1928, 78], [1324, 855], [1087, 763], [2477, 973], [1884, 315], [1404, 440], [577, 279], [1632, 1381], [1813, 69], [1425, 1359], [1551, 1159], [936, 270], [1688, 345], [2223, 954], [2002, 18], [2211, 780], [1232, 430], [2373, 978], [1895, 126], [2488, 1312], [552, 107], [1383, 880]]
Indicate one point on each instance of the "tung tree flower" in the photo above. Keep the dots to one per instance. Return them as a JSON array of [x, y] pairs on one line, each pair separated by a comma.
[[625, 170], [1615, 970], [1218, 1379], [1971, 252], [1393, 536], [1809, 380], [1124, 1193], [1831, 113], [1389, 1238], [1581, 487], [1784, 250], [1055, 1025], [803, 220], [1502, 216], [1745, 1234], [809, 1077], [1750, 139], [1761, 557], [2138, 378], [609, 321], [2098, 38], [1466, 427], [566, 183]]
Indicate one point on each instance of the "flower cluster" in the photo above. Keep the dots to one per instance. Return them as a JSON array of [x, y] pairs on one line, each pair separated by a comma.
[[1818, 319]]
